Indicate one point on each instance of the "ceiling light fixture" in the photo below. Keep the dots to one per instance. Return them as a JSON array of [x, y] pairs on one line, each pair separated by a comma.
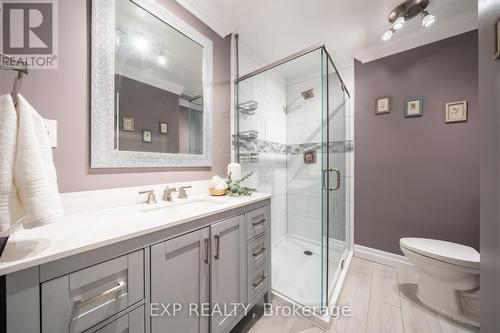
[[427, 19], [399, 23], [405, 12], [388, 35]]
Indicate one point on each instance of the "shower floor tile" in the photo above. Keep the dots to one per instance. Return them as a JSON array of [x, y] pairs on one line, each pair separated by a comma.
[[296, 275]]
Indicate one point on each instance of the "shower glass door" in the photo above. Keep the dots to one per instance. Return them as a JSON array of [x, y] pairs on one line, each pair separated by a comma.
[[290, 133], [336, 181]]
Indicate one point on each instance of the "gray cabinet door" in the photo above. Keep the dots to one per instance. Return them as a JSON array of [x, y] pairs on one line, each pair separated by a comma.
[[227, 272], [180, 275]]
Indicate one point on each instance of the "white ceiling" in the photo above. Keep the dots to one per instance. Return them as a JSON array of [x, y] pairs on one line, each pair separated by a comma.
[[349, 28]]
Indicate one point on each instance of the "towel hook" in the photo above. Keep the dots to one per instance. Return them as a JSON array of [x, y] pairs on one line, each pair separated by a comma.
[[5, 63]]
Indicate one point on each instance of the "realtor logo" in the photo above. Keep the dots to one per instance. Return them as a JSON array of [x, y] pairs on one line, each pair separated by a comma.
[[29, 32]]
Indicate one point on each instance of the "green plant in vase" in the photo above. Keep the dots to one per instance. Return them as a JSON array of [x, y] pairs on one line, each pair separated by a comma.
[[235, 189]]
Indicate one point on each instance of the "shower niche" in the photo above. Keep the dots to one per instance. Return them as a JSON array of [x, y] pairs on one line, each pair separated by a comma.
[[291, 132]]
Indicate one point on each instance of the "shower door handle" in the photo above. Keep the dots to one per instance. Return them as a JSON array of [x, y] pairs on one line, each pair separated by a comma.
[[337, 186]]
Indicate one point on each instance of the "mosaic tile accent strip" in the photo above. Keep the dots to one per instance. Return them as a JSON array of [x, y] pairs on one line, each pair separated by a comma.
[[262, 146]]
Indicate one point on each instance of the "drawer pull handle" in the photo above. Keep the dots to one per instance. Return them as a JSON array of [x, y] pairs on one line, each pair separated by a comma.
[[259, 283], [121, 285], [206, 251], [217, 247], [259, 222], [256, 254]]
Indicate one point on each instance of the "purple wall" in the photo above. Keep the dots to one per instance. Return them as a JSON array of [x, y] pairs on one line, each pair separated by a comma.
[[418, 177], [149, 106], [64, 95], [489, 105]]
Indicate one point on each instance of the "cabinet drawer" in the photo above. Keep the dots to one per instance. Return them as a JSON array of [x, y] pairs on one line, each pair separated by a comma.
[[257, 222], [258, 281], [132, 322], [78, 301], [257, 252]]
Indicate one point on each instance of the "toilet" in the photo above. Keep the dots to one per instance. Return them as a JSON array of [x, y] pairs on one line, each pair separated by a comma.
[[448, 277]]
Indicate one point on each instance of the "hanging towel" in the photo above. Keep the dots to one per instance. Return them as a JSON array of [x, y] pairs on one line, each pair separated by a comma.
[[10, 206], [34, 173]]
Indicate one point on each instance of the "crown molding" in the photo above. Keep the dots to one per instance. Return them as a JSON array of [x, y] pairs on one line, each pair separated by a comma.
[[208, 15]]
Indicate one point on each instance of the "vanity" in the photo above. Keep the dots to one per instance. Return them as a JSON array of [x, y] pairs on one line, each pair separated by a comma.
[[191, 265]]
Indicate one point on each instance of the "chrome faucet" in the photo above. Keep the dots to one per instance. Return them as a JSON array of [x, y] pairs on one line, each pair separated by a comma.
[[182, 192], [167, 194], [151, 196]]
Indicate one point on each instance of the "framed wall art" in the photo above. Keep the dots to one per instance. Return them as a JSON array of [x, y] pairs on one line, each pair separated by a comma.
[[414, 107], [455, 112]]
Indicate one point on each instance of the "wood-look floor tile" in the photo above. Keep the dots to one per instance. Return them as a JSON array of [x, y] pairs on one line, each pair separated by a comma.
[[385, 285], [360, 266], [348, 325], [301, 325], [384, 318], [282, 324], [356, 294]]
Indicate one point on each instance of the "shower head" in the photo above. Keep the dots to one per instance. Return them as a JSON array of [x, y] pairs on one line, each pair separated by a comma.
[[308, 94]]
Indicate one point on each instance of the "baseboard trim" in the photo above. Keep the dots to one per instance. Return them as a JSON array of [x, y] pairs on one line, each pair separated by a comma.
[[381, 257]]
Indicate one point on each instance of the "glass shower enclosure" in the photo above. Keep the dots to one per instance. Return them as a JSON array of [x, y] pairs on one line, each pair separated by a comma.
[[291, 132]]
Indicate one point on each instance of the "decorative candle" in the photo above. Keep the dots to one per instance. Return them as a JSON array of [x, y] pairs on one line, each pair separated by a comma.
[[235, 170]]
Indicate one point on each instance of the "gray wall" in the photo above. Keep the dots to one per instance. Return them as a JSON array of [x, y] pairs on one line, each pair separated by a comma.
[[64, 95], [418, 177], [148, 106], [489, 105]]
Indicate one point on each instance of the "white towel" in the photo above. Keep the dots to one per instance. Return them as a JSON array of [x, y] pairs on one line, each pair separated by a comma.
[[34, 173], [10, 206], [34, 177]]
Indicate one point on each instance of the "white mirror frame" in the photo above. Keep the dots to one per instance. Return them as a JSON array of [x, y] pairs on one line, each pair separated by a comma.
[[103, 152]]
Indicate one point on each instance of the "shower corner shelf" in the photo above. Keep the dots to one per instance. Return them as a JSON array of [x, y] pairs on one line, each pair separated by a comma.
[[248, 135], [248, 157], [248, 108]]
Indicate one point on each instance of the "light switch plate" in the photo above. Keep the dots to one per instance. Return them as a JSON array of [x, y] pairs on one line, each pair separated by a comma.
[[51, 126]]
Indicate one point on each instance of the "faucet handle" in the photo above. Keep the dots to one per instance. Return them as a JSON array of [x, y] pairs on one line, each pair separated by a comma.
[[167, 194], [182, 192], [151, 196]]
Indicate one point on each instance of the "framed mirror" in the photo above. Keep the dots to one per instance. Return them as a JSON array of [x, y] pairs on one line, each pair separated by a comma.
[[151, 88]]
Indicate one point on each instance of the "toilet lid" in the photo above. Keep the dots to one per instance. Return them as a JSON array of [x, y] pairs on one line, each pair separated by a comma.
[[441, 250]]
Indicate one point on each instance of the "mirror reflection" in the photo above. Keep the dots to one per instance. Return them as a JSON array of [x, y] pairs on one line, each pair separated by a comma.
[[158, 85]]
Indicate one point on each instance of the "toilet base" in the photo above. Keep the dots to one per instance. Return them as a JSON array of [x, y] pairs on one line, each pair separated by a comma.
[[450, 290], [463, 318]]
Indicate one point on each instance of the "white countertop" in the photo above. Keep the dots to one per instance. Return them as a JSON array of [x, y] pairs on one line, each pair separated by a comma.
[[76, 233]]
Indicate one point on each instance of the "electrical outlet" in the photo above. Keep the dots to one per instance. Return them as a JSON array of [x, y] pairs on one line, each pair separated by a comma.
[[51, 126]]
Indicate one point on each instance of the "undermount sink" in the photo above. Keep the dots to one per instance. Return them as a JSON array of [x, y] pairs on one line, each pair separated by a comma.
[[186, 206]]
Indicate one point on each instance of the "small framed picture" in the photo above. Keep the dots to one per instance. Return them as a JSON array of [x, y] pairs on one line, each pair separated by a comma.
[[383, 105], [455, 112], [164, 128], [128, 124], [414, 107], [497, 40], [146, 136]]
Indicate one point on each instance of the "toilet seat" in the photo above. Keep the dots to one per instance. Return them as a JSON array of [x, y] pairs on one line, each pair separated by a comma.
[[448, 252]]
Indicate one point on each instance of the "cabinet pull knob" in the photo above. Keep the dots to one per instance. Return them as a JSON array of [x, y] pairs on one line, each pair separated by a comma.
[[259, 222], [258, 283], [206, 251], [121, 285], [256, 254], [217, 246]]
